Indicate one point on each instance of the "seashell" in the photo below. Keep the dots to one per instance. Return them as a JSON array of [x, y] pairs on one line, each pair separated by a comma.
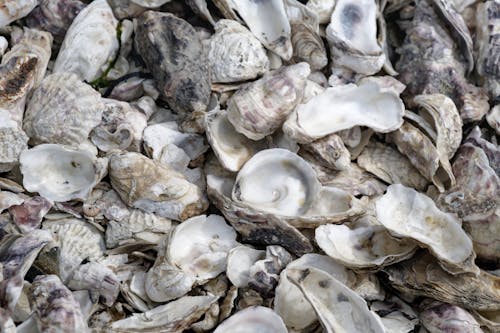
[[259, 108], [145, 184], [429, 62], [253, 226], [368, 104], [200, 8], [422, 276], [98, 279], [258, 16], [264, 273], [484, 237], [10, 185], [364, 245], [290, 303], [286, 184], [322, 8], [352, 35], [9, 199], [396, 316], [392, 167], [175, 316], [15, 9], [12, 142], [441, 317], [150, 3], [62, 110], [90, 44], [252, 320], [240, 260], [76, 241], [408, 213], [424, 156], [32, 42], [4, 44], [59, 173], [493, 119], [234, 54], [491, 149], [17, 77], [55, 307], [6, 323], [29, 214], [231, 148], [121, 127], [54, 16], [330, 152], [176, 60], [476, 192], [327, 296]]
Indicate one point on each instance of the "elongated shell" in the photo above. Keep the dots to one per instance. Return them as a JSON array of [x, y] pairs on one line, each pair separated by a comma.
[[352, 35], [256, 319], [62, 110], [338, 307], [260, 108], [330, 152], [12, 10], [408, 213], [445, 317], [90, 43], [235, 54], [59, 173], [343, 107], [174, 55], [145, 184]]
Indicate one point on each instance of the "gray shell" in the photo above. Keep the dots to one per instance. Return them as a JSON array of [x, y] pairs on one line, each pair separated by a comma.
[[62, 110], [174, 54], [12, 142]]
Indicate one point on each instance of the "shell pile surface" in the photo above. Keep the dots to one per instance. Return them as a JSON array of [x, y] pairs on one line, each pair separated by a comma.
[[257, 166]]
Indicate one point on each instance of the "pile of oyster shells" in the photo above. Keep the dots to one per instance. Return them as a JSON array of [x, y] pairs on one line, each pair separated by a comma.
[[261, 166]]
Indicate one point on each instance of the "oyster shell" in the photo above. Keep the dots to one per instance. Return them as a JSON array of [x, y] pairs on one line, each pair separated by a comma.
[[174, 55], [12, 142], [55, 307], [322, 8], [338, 307], [240, 260], [484, 236], [493, 118], [175, 316], [259, 108], [253, 319], [15, 9], [54, 16], [367, 104], [391, 166], [145, 184], [352, 35], [442, 317], [408, 213], [330, 152], [235, 54], [59, 173], [28, 215], [90, 43], [396, 316], [62, 110]]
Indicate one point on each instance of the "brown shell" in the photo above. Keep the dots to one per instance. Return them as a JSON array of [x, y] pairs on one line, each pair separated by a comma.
[[174, 55], [62, 110]]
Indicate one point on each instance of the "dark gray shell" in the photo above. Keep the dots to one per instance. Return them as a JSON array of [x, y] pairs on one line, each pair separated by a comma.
[[174, 54]]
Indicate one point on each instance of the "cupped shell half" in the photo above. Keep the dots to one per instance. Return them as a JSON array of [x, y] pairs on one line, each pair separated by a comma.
[[60, 173], [90, 44], [256, 319]]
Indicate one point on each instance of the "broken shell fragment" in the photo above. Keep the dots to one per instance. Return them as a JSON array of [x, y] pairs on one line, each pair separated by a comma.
[[145, 184], [239, 262], [174, 55], [62, 110], [59, 173], [261, 107], [235, 54], [28, 215], [90, 43], [330, 152], [13, 141], [444, 317], [255, 319], [408, 213], [15, 9]]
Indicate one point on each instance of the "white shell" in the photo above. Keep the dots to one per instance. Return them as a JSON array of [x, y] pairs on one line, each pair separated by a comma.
[[235, 54], [239, 262], [352, 35], [408, 213], [12, 10], [277, 181], [493, 118], [90, 43], [322, 8], [59, 173], [12, 142], [339, 308], [343, 107], [232, 149], [289, 301], [256, 319]]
